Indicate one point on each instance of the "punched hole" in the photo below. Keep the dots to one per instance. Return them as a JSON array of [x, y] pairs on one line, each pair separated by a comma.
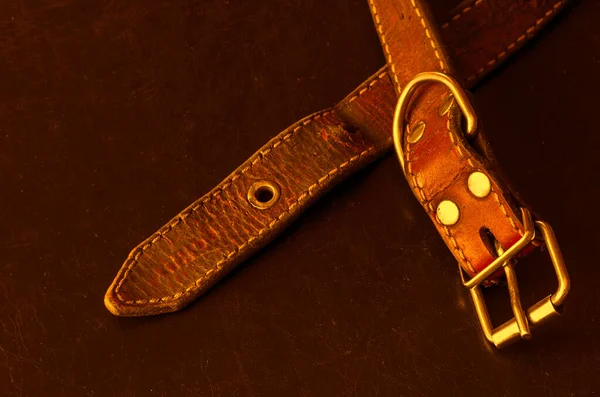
[[489, 241], [350, 129], [263, 194]]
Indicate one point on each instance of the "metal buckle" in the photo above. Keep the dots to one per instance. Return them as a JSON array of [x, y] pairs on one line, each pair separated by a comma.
[[404, 99], [519, 326]]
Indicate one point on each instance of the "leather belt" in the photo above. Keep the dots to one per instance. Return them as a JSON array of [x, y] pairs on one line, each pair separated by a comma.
[[453, 176]]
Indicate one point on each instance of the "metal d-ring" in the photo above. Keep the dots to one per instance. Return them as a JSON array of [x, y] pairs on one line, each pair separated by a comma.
[[403, 101]]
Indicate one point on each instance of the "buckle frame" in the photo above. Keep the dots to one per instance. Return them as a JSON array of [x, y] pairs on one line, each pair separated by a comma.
[[519, 326]]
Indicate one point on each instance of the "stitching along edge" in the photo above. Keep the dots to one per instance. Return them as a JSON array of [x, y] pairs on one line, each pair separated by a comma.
[[429, 36], [461, 13], [138, 251], [425, 201], [513, 46], [134, 256], [429, 207], [219, 264], [386, 47]]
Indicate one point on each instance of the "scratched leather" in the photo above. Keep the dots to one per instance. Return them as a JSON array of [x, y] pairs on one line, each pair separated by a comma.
[[210, 237], [207, 240], [439, 164]]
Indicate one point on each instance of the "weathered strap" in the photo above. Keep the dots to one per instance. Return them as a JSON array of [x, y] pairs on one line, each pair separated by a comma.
[[505, 26], [203, 243], [459, 189]]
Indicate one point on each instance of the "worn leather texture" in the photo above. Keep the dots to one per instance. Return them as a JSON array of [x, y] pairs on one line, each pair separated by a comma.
[[438, 165], [115, 116], [207, 240]]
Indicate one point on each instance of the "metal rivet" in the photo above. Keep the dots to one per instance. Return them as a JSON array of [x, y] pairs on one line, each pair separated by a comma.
[[447, 213], [479, 184], [416, 132], [263, 194], [445, 106]]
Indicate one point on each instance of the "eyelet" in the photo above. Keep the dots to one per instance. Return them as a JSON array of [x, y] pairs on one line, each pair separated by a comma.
[[263, 194]]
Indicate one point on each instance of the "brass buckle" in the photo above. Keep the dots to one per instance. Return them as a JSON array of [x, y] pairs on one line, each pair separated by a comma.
[[519, 326]]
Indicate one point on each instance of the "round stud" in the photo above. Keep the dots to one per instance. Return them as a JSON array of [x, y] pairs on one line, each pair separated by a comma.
[[479, 184], [416, 132], [447, 213]]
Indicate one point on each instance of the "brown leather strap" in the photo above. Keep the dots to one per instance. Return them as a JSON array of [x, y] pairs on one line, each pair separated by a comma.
[[473, 54], [410, 40], [204, 242], [208, 239], [439, 162]]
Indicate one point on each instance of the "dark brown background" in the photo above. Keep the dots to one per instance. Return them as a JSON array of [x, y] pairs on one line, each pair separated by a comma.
[[115, 115]]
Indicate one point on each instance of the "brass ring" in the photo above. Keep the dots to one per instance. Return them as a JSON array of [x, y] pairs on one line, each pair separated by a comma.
[[263, 194], [403, 101]]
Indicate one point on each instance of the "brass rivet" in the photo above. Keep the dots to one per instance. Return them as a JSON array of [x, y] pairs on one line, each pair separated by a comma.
[[447, 213], [263, 194], [479, 184], [445, 106], [416, 132]]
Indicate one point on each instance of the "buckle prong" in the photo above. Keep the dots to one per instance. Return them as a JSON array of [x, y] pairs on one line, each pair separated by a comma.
[[509, 254], [515, 302]]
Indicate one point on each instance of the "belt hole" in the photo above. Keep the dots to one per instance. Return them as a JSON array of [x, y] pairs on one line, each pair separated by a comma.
[[350, 129], [489, 240], [263, 194]]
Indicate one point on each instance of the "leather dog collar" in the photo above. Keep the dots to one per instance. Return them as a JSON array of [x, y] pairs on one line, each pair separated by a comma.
[[457, 185], [255, 203]]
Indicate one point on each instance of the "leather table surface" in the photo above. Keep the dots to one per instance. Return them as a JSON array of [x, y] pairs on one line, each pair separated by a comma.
[[114, 116]]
